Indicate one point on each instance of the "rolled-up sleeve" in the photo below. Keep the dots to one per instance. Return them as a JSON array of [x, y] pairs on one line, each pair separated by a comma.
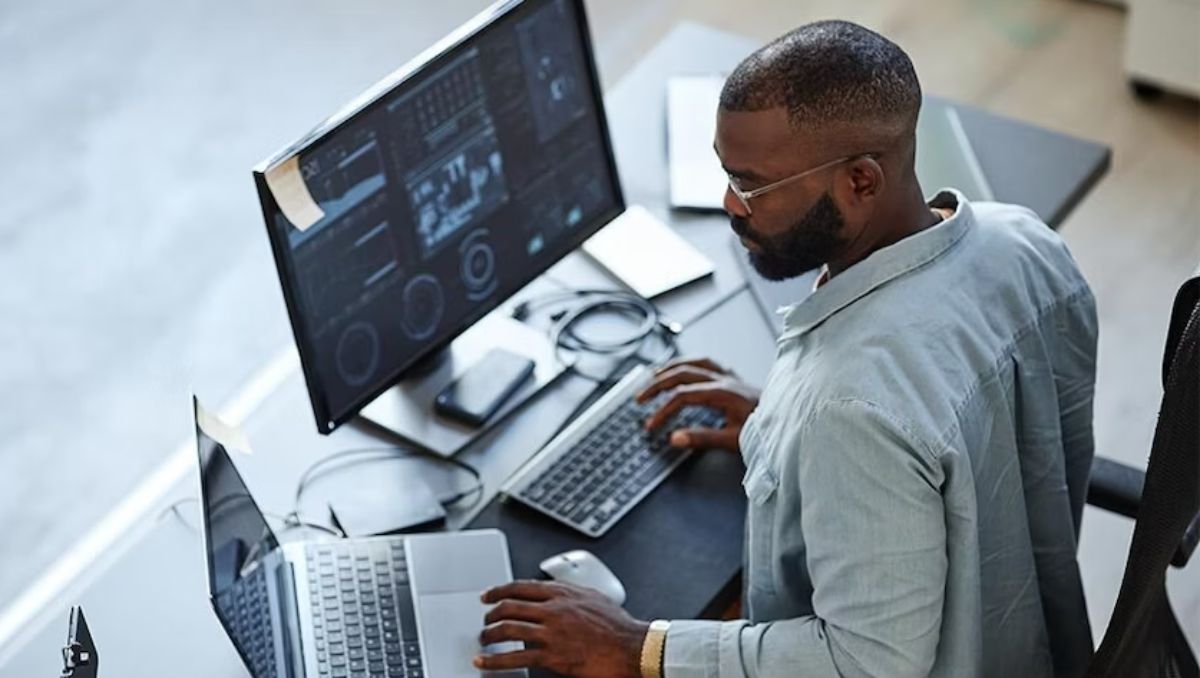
[[874, 528]]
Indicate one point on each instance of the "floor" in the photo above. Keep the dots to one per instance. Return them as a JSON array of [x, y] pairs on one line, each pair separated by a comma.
[[133, 263]]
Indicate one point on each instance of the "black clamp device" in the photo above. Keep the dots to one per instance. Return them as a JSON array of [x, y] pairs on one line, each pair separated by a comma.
[[79, 655]]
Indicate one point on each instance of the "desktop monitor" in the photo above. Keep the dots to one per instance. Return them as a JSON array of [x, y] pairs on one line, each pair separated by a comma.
[[438, 193]]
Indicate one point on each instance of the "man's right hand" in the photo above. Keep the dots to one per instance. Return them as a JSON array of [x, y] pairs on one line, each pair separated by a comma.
[[701, 382]]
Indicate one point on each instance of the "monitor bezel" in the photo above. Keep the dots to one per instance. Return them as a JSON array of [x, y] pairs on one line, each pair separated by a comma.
[[443, 51]]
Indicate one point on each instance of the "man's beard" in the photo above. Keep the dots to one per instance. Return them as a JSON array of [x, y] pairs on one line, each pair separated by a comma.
[[807, 245]]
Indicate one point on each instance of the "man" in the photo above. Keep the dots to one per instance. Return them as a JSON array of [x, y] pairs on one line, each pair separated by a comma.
[[917, 463]]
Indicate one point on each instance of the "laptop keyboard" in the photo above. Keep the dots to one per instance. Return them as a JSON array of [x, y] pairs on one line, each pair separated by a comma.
[[247, 612], [613, 466], [362, 610]]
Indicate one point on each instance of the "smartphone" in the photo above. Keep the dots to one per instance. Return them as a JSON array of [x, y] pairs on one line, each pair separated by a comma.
[[478, 393]]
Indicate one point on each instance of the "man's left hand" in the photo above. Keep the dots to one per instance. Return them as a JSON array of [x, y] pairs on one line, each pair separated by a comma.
[[569, 630]]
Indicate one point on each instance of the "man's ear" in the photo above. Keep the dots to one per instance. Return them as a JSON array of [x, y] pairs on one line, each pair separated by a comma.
[[866, 180]]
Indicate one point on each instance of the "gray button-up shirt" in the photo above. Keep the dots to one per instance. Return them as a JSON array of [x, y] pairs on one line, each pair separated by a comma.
[[917, 466]]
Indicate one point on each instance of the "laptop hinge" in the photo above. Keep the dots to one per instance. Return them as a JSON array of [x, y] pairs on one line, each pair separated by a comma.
[[289, 616]]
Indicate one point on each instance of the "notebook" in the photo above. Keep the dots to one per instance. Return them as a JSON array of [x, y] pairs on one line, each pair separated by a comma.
[[646, 254]]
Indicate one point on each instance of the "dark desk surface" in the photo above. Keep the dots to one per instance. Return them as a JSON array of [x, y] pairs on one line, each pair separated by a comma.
[[148, 609]]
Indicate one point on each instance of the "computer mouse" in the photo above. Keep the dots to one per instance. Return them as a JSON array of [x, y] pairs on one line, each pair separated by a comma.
[[583, 568]]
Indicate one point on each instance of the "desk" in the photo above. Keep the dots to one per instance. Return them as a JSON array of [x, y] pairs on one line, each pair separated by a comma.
[[148, 608]]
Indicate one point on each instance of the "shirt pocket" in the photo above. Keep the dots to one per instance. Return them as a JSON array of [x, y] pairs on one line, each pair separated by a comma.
[[761, 484]]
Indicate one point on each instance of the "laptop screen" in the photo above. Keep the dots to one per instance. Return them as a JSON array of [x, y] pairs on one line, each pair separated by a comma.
[[236, 535]]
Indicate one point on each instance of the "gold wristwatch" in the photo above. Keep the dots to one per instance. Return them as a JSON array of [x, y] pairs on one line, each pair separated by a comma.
[[653, 647]]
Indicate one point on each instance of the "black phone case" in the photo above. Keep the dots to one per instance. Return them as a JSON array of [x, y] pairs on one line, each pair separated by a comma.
[[446, 407]]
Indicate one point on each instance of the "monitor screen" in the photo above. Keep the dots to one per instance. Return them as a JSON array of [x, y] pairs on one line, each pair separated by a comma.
[[460, 179]]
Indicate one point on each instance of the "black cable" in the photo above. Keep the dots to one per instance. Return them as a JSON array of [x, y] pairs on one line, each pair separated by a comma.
[[613, 375], [294, 519], [379, 453], [564, 335], [521, 310], [290, 521], [174, 508]]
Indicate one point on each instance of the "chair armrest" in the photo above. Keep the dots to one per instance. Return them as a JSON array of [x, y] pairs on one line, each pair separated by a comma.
[[1187, 545], [1116, 487]]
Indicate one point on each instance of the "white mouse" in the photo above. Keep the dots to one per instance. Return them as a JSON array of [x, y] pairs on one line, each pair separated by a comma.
[[583, 568]]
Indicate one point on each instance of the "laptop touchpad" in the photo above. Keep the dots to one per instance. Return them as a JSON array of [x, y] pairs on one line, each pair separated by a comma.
[[450, 628], [463, 561]]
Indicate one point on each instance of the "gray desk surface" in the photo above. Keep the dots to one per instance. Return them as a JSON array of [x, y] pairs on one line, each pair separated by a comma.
[[148, 609]]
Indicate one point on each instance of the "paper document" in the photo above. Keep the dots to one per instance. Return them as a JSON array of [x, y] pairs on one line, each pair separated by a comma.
[[287, 185], [646, 254], [697, 180]]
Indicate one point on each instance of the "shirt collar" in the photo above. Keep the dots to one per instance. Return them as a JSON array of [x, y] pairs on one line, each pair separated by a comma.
[[880, 267]]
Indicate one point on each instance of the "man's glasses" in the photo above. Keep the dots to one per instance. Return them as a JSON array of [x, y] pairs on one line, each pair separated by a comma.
[[744, 196]]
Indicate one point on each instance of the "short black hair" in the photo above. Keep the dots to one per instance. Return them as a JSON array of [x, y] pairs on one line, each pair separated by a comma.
[[828, 72]]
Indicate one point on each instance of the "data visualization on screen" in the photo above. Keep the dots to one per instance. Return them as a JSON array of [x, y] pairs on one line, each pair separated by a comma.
[[443, 196]]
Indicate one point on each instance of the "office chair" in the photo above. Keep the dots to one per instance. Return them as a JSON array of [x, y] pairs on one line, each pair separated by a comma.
[[1144, 640]]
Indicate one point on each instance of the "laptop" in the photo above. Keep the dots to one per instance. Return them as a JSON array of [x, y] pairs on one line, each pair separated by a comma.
[[386, 607]]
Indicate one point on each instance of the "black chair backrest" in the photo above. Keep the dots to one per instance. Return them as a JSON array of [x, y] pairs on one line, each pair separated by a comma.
[[1144, 639]]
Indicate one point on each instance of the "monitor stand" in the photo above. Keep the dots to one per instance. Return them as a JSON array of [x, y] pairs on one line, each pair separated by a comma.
[[406, 409]]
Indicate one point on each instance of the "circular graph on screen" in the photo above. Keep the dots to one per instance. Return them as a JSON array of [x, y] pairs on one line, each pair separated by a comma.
[[423, 305], [478, 265], [358, 353]]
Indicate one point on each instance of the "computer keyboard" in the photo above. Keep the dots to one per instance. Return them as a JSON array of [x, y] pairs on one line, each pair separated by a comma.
[[362, 610], [605, 462], [247, 612]]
